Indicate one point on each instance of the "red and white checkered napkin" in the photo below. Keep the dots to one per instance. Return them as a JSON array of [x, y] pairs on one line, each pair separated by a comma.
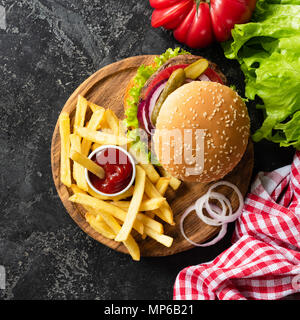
[[264, 259]]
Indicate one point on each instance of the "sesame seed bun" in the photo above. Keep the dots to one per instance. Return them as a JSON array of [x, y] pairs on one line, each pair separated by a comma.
[[223, 119]]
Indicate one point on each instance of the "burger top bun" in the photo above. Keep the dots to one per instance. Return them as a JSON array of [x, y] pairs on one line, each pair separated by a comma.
[[202, 131]]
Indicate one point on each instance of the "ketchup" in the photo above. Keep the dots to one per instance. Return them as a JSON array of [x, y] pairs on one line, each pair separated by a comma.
[[118, 171]]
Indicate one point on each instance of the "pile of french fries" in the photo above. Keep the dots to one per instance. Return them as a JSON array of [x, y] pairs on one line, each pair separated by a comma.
[[122, 217]]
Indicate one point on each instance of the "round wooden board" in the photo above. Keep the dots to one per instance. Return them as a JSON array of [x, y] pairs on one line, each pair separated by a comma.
[[106, 88]]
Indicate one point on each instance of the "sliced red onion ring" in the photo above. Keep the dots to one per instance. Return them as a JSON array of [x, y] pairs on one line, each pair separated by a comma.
[[140, 111], [210, 207], [146, 106], [221, 234], [145, 121], [218, 216], [199, 208], [231, 216], [142, 116], [188, 80], [203, 77], [154, 99]]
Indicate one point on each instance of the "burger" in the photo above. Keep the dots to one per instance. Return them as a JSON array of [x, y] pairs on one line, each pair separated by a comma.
[[196, 126]]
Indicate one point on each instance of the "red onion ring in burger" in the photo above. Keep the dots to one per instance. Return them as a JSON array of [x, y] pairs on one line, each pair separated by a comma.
[[146, 107], [153, 99], [142, 117], [203, 77]]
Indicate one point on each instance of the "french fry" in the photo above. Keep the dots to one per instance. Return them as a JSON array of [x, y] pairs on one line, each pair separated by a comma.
[[94, 107], [65, 166], [78, 170], [147, 221], [152, 174], [105, 127], [151, 223], [80, 112], [100, 226], [95, 146], [174, 182], [161, 238], [164, 215], [139, 155], [101, 137], [142, 158], [94, 123], [88, 164], [132, 248], [134, 205], [164, 212], [130, 243], [114, 217], [162, 185], [75, 146], [128, 193], [150, 214], [146, 205], [113, 122], [100, 205], [76, 189], [106, 130]]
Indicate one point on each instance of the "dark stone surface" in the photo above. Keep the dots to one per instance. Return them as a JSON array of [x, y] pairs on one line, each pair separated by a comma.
[[47, 48]]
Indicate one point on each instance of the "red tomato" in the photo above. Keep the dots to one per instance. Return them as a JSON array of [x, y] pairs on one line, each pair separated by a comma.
[[198, 29], [166, 15], [226, 13]]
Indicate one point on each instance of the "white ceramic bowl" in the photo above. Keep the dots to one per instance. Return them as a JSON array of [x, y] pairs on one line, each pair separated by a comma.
[[133, 171]]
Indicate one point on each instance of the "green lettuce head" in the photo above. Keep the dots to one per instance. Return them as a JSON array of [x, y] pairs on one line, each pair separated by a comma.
[[268, 49]]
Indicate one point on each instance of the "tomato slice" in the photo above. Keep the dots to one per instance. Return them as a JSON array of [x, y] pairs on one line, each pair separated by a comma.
[[166, 73], [213, 76]]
